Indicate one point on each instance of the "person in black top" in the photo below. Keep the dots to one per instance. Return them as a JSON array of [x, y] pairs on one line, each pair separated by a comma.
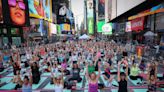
[[15, 66], [152, 77], [35, 73], [75, 73], [122, 77]]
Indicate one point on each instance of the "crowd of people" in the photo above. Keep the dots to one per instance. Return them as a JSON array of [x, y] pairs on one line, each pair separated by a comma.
[[70, 59]]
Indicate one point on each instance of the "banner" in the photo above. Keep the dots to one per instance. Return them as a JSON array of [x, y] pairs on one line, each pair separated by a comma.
[[107, 29], [100, 25], [137, 24], [128, 27], [15, 31], [90, 20], [16, 12], [53, 28], [43, 27], [41, 9], [101, 10], [90, 26]]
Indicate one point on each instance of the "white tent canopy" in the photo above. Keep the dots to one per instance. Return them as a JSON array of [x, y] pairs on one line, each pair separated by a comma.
[[84, 36], [149, 33]]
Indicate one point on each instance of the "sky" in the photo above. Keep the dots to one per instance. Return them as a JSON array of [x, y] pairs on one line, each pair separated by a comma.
[[78, 10]]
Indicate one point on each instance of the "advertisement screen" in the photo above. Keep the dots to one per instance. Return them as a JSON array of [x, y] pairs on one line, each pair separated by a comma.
[[16, 41], [65, 27], [53, 28], [128, 27], [101, 9], [90, 16], [58, 29], [1, 13], [14, 30], [43, 27], [40, 9], [107, 29], [100, 25], [17, 10]]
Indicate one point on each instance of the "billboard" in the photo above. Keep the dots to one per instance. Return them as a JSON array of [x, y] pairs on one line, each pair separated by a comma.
[[90, 20], [101, 9], [16, 12], [41, 9], [65, 27], [138, 24], [53, 28], [1, 12], [14, 31], [128, 27], [100, 25], [107, 29], [43, 27]]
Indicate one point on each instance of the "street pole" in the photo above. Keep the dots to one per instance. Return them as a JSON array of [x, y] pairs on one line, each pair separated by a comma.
[[94, 14], [85, 1]]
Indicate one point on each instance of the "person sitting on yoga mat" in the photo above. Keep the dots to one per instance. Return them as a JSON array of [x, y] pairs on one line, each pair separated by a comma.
[[93, 79], [48, 69], [91, 68], [64, 68], [35, 72], [14, 65], [107, 74], [58, 82], [152, 84], [134, 72], [75, 73], [122, 77], [142, 65], [1, 62], [152, 76], [152, 69], [17, 80], [27, 84]]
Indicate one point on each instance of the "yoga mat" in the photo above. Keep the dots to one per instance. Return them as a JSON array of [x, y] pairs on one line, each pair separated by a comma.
[[49, 86], [114, 90], [8, 86], [140, 90], [11, 74], [35, 86], [6, 79], [114, 82], [134, 81], [79, 85], [5, 70], [160, 75]]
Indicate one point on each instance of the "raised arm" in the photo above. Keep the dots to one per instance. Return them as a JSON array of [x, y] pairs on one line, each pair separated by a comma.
[[126, 63], [99, 70], [118, 72], [156, 69], [87, 75], [53, 79], [95, 62], [31, 80]]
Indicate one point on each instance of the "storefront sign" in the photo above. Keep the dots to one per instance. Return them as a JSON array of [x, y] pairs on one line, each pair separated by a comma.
[[137, 24], [128, 27]]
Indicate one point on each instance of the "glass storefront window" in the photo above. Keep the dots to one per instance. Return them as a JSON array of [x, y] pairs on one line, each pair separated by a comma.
[[16, 41], [5, 40]]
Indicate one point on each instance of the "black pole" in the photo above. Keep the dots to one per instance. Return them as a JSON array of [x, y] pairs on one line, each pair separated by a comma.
[[94, 14], [154, 26], [85, 1]]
